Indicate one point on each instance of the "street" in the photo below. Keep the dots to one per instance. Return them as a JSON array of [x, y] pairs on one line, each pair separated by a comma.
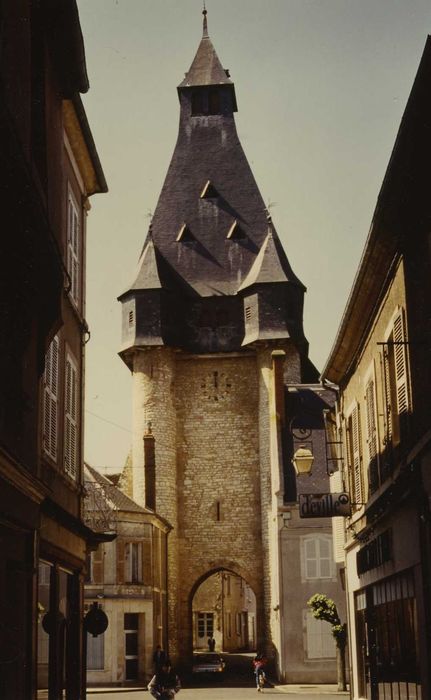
[[237, 684]]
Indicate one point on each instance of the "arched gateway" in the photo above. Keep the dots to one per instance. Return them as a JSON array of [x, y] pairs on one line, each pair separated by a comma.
[[212, 329]]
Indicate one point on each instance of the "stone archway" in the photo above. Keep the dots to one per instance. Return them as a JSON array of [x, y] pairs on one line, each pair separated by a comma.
[[223, 607]]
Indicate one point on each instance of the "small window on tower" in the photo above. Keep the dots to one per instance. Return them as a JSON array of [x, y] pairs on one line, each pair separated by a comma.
[[185, 235], [214, 101], [236, 232], [131, 318], [197, 103], [248, 313], [209, 191]]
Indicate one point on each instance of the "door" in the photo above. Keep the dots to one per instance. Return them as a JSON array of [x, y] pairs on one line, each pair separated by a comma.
[[131, 646], [204, 628]]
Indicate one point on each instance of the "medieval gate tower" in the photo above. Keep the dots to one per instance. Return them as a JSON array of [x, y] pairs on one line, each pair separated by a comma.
[[215, 301]]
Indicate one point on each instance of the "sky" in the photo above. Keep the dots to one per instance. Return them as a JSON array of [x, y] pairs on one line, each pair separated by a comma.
[[321, 86]]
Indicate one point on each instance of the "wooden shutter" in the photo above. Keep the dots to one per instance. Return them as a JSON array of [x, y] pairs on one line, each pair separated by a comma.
[[121, 562], [324, 557], [71, 419], [387, 383], [371, 427], [97, 565], [147, 569], [400, 359], [310, 558], [355, 451], [50, 399], [338, 528]]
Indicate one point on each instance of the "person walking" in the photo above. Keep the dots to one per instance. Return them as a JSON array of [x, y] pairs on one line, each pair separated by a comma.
[[259, 663], [165, 683], [160, 657]]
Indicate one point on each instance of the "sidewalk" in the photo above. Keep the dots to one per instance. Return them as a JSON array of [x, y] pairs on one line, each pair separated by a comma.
[[312, 689]]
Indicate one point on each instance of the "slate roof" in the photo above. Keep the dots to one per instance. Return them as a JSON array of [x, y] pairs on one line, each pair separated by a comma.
[[206, 68], [208, 149], [114, 498], [270, 266]]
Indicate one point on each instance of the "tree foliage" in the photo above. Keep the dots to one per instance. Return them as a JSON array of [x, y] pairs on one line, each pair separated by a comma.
[[324, 608]]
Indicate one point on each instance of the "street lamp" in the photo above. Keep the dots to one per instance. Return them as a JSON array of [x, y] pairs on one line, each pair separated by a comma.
[[303, 460]]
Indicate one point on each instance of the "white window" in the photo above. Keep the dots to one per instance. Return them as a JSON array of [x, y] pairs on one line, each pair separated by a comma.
[[319, 642], [50, 400], [316, 557], [73, 246], [354, 456], [134, 562], [71, 442], [95, 652]]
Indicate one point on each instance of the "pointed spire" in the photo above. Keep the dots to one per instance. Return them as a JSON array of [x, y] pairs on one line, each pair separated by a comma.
[[205, 34]]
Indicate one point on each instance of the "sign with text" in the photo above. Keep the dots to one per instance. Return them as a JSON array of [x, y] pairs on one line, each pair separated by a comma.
[[324, 505]]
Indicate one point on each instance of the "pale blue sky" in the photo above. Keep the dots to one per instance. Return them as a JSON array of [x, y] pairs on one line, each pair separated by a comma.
[[321, 87]]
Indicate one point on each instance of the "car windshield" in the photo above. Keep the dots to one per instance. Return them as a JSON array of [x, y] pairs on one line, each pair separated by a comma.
[[207, 659]]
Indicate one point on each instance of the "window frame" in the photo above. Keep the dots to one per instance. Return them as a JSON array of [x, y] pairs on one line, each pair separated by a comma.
[[73, 246], [71, 446], [317, 538], [51, 399]]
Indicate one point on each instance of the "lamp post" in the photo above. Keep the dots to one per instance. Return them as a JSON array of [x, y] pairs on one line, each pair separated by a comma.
[[303, 460]]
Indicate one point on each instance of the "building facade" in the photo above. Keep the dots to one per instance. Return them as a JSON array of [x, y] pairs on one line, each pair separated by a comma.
[[49, 170], [380, 360], [214, 298], [127, 577]]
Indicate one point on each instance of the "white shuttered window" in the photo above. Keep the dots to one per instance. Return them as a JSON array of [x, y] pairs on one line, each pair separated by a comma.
[[317, 557], [355, 457], [50, 400], [71, 443], [320, 644]]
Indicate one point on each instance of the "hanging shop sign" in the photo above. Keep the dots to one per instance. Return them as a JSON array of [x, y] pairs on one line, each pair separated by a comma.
[[324, 505]]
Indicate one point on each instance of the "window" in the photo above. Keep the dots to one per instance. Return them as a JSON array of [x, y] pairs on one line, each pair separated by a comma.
[[319, 642], [131, 318], [50, 400], [372, 440], [71, 419], [73, 247], [317, 560], [134, 562], [354, 457], [396, 380], [95, 652]]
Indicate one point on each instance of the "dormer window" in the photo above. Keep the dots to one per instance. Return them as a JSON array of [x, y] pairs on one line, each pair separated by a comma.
[[197, 103], [206, 101], [209, 191], [214, 101], [185, 235], [236, 232]]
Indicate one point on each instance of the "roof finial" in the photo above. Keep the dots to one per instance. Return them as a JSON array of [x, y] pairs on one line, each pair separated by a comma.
[[205, 29]]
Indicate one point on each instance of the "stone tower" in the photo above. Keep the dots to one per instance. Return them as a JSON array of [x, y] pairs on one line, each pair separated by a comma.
[[214, 301]]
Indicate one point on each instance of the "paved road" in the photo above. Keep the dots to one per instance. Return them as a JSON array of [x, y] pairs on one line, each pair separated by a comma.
[[218, 692], [237, 684]]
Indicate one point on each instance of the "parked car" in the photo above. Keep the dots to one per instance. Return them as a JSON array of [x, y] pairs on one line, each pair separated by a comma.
[[208, 664]]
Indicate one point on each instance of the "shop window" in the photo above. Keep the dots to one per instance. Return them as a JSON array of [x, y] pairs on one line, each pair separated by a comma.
[[43, 607], [319, 642], [50, 399], [316, 557]]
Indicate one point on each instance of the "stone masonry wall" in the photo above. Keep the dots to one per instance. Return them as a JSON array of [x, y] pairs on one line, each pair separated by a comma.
[[153, 401], [218, 474]]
